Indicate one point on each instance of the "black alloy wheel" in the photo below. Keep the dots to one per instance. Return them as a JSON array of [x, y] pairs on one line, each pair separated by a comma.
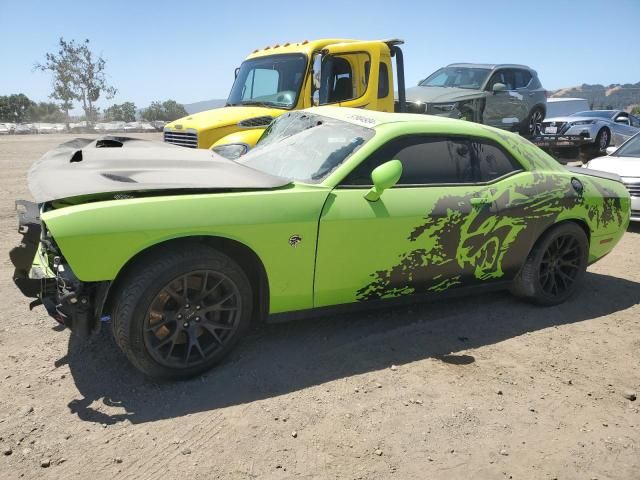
[[560, 265], [191, 318], [554, 268]]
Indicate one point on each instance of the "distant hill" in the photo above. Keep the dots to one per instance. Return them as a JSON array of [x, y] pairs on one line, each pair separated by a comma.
[[203, 105], [615, 96]]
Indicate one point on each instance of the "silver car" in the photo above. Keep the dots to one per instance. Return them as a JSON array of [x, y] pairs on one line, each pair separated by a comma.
[[592, 130], [624, 161], [506, 96]]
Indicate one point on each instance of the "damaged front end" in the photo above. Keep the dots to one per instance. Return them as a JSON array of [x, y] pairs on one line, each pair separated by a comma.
[[42, 273]]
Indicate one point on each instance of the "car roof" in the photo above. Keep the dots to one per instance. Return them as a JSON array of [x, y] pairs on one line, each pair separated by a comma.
[[491, 66], [374, 119]]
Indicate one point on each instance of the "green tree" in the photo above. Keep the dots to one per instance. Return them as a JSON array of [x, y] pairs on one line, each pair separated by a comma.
[[168, 111], [77, 75], [636, 110], [46, 112], [125, 112], [15, 108]]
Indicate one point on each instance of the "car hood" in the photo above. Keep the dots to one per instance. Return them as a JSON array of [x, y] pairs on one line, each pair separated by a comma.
[[120, 164], [623, 166], [221, 117], [441, 94]]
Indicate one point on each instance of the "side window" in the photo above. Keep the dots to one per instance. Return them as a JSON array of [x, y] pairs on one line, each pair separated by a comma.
[[492, 161], [337, 80], [522, 78], [344, 77], [383, 81], [425, 160], [635, 121], [502, 76]]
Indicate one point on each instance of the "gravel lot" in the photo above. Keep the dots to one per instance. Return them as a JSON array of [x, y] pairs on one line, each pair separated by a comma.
[[486, 387]]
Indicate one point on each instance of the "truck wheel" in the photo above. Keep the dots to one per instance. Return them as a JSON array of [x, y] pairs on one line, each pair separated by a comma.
[[554, 267], [534, 119], [182, 311]]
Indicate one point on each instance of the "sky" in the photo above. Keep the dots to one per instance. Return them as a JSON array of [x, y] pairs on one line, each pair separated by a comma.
[[187, 51]]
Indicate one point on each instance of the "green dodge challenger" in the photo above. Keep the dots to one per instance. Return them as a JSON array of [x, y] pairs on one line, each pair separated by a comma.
[[183, 249]]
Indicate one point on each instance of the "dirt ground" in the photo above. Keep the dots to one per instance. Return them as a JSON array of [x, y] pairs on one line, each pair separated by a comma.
[[485, 388]]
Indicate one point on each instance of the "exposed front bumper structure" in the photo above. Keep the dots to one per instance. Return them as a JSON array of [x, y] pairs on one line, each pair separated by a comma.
[[41, 273]]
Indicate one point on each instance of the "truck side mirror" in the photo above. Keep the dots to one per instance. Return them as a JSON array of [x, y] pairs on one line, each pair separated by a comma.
[[383, 177], [316, 75], [237, 71]]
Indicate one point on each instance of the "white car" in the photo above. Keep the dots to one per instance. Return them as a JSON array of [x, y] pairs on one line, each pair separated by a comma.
[[624, 161]]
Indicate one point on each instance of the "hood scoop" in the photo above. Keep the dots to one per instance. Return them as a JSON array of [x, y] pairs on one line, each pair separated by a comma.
[[120, 164]]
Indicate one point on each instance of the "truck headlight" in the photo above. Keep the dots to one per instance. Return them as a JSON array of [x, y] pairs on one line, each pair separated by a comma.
[[231, 151]]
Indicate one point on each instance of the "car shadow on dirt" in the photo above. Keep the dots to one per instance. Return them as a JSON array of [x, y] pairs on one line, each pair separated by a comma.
[[281, 358]]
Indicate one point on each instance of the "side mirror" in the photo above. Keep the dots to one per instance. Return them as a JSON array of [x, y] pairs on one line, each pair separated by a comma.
[[383, 177], [499, 87], [623, 121], [316, 75], [610, 150], [237, 71]]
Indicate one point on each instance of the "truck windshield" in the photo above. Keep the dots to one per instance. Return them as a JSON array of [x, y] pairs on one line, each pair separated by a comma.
[[272, 81], [458, 77], [305, 147]]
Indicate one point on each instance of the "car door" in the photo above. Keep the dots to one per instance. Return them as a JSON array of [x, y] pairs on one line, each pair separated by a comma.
[[423, 235], [504, 109]]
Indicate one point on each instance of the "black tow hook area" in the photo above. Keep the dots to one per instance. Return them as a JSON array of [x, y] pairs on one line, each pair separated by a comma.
[[22, 255]]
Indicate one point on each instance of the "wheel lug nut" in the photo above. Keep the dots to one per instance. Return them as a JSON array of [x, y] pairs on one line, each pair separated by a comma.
[[179, 316], [198, 307], [197, 319], [187, 306], [185, 324]]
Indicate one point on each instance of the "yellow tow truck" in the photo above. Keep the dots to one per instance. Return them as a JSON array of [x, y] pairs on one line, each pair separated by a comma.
[[291, 76]]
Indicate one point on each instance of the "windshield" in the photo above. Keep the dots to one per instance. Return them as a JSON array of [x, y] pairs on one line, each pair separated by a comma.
[[631, 148], [459, 77], [273, 81], [305, 147], [595, 113]]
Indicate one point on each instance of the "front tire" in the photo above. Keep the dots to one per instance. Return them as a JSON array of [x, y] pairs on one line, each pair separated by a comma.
[[180, 311], [555, 266], [533, 120], [603, 139]]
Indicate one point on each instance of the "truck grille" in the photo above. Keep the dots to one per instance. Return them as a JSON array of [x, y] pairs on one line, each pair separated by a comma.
[[184, 139]]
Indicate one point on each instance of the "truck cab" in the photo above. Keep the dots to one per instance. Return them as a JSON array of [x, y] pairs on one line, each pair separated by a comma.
[[291, 76]]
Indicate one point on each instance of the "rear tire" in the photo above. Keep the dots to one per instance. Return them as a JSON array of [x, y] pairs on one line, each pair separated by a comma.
[[180, 311], [554, 267]]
